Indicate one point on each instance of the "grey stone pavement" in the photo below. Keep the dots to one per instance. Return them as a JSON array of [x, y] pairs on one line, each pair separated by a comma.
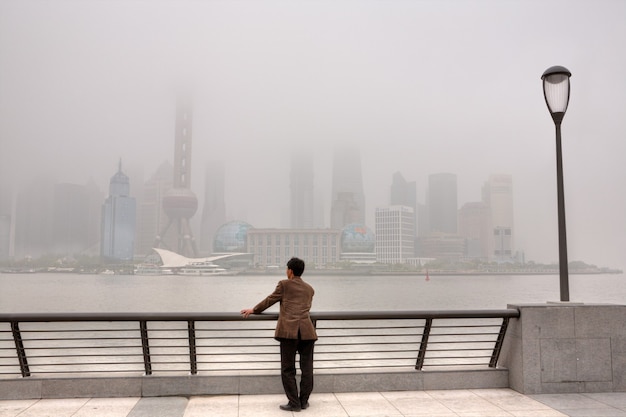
[[444, 403]]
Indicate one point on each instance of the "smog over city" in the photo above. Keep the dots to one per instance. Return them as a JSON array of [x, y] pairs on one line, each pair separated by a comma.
[[416, 87]]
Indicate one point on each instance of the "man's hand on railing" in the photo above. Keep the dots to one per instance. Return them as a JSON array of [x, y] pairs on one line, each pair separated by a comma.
[[246, 312]]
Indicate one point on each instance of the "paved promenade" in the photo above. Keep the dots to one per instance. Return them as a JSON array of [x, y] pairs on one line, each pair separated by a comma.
[[453, 403]]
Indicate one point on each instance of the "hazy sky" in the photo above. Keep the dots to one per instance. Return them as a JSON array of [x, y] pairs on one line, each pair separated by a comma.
[[420, 86]]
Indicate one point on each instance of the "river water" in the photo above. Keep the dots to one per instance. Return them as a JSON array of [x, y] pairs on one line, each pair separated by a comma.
[[57, 292]]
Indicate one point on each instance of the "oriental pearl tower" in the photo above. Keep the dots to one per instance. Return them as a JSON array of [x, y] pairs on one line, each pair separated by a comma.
[[180, 203]]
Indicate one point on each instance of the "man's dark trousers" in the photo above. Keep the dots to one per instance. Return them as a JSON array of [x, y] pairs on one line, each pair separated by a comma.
[[288, 349]]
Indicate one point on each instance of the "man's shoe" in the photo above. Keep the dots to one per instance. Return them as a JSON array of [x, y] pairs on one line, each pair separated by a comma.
[[289, 407], [305, 405]]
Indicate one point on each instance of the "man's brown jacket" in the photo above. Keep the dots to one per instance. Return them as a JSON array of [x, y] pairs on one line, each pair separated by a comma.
[[295, 298]]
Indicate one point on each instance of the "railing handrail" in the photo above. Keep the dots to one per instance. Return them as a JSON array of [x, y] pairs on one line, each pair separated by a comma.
[[221, 316], [27, 348]]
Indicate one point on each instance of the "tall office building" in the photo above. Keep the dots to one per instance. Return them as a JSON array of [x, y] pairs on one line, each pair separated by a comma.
[[33, 218], [442, 203], [151, 215], [348, 199], [475, 228], [214, 208], [180, 203], [301, 190], [404, 193], [395, 234], [118, 221], [70, 219], [498, 195]]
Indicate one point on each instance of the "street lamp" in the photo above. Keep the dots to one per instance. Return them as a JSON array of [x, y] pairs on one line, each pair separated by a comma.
[[556, 88]]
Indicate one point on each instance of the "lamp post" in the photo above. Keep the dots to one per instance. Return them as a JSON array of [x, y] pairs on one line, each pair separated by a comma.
[[556, 88]]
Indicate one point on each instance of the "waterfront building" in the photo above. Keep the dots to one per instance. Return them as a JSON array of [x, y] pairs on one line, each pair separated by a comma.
[[118, 221], [214, 207], [71, 219], [272, 248], [358, 244], [404, 193], [442, 203], [497, 193], [33, 218], [302, 191], [475, 228], [442, 246], [348, 199], [395, 234], [151, 215]]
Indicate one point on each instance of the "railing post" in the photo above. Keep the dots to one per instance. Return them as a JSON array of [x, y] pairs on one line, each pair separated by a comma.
[[498, 346], [193, 360], [147, 363], [19, 346], [424, 344]]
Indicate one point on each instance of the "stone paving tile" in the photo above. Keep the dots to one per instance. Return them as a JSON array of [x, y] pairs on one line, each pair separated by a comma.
[[325, 405], [55, 408], [582, 405], [417, 404], [465, 401], [107, 407], [219, 405], [510, 400], [159, 406], [614, 399], [596, 412], [262, 406], [537, 413], [12, 408], [362, 404]]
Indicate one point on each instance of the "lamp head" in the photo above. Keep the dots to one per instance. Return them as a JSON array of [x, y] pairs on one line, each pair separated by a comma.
[[556, 88]]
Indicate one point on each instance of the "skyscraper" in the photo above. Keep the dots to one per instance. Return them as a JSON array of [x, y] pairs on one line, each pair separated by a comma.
[[33, 218], [404, 193], [395, 234], [442, 203], [301, 188], [152, 218], [118, 220], [214, 208], [348, 200], [70, 219], [180, 203], [498, 195], [475, 227]]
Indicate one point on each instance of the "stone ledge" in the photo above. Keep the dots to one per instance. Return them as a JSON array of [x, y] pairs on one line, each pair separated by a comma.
[[187, 385]]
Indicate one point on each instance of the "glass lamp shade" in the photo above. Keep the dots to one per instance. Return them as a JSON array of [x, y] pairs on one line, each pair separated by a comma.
[[556, 88]]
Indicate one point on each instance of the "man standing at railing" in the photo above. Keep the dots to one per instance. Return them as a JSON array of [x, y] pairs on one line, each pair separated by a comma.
[[294, 331]]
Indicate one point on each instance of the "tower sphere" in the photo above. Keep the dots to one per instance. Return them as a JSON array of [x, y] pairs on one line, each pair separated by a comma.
[[180, 203]]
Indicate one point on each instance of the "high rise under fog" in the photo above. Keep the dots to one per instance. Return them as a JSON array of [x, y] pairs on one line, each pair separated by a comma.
[[348, 199], [118, 220], [214, 206], [498, 195], [301, 191], [442, 203]]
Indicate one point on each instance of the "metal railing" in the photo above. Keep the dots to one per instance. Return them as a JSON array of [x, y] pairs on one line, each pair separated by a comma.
[[145, 344]]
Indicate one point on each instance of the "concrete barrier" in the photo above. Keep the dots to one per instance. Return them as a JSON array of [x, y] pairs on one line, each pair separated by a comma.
[[187, 385], [566, 348]]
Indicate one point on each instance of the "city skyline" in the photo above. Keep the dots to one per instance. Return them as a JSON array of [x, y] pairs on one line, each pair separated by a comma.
[[420, 87], [159, 185]]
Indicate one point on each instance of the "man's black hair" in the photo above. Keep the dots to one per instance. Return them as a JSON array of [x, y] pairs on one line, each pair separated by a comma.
[[296, 265]]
